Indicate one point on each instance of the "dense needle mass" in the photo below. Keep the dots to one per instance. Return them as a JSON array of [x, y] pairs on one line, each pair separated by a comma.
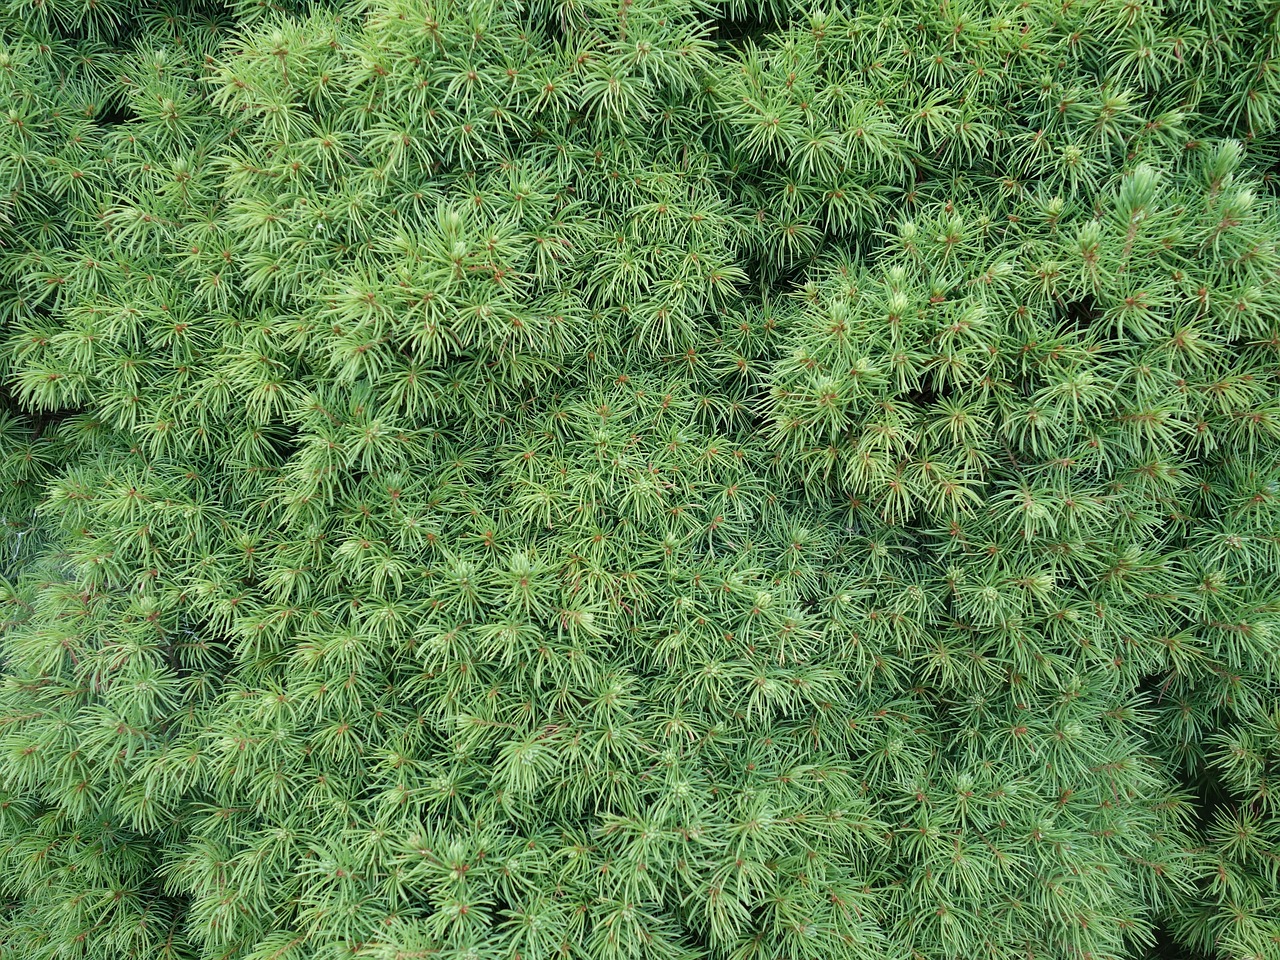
[[640, 480]]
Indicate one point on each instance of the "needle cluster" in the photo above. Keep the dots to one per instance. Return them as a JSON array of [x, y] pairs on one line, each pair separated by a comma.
[[639, 480]]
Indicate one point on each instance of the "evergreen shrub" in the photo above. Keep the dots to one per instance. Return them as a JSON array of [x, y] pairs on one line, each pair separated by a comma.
[[640, 480]]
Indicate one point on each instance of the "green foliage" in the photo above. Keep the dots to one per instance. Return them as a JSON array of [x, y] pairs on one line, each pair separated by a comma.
[[641, 480]]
